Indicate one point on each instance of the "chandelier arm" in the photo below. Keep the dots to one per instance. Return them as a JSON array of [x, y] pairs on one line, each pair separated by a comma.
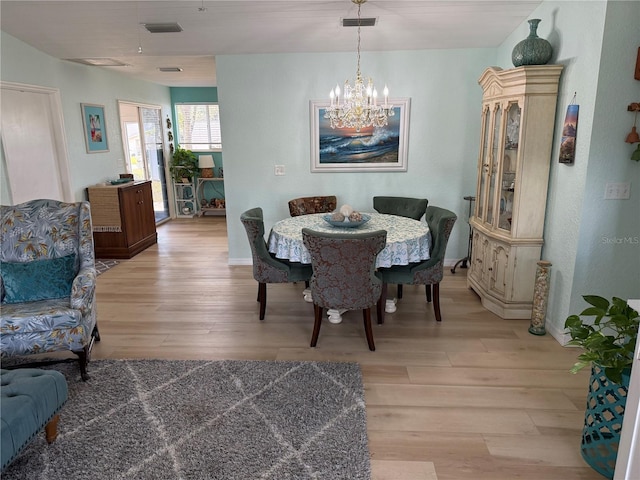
[[358, 108]]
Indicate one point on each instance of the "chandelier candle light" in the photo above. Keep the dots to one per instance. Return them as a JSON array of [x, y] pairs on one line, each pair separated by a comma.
[[358, 107]]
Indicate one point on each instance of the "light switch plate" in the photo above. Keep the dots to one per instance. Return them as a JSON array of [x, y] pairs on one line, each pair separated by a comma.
[[617, 191], [279, 169]]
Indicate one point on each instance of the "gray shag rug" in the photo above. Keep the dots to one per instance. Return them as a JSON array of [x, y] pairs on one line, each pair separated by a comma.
[[244, 420], [104, 265]]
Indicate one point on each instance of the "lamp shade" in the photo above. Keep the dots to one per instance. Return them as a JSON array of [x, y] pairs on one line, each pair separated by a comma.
[[205, 161]]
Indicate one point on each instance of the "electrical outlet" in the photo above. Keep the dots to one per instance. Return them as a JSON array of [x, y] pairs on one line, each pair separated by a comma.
[[279, 170], [617, 191]]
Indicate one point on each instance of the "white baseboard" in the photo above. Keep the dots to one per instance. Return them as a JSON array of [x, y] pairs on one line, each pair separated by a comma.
[[240, 261]]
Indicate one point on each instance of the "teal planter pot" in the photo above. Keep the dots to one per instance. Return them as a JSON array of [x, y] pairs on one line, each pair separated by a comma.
[[533, 50], [603, 417]]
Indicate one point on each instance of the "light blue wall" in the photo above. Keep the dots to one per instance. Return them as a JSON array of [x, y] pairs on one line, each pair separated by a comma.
[[264, 108], [77, 83], [597, 42]]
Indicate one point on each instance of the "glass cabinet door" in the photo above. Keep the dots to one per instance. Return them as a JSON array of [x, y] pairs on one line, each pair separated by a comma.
[[509, 163], [484, 156], [494, 162]]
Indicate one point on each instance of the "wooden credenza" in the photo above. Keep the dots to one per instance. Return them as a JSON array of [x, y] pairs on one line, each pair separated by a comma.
[[123, 219]]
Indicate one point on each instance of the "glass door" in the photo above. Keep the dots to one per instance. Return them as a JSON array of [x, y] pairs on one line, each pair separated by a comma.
[[151, 121], [484, 169], [143, 143], [509, 164], [493, 162]]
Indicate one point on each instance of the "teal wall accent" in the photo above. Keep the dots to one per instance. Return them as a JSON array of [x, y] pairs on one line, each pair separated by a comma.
[[77, 83], [194, 95], [594, 244]]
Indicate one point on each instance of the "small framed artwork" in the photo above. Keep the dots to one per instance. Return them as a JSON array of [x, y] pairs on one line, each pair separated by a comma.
[[372, 149], [569, 134], [95, 130]]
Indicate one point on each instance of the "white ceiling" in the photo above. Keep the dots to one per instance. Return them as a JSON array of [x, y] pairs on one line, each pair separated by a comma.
[[112, 29]]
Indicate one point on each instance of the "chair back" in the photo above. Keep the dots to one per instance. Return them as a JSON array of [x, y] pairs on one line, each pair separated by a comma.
[[344, 268], [440, 223], [401, 206], [266, 269], [45, 229], [308, 205]]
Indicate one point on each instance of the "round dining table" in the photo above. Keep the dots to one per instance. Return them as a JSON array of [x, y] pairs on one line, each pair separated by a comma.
[[408, 241]]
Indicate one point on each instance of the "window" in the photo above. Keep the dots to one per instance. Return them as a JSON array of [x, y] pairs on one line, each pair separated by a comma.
[[198, 126]]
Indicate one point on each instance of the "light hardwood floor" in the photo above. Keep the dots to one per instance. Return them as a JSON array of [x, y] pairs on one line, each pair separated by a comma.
[[472, 398]]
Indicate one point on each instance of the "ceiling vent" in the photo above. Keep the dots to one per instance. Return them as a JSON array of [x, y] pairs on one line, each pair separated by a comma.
[[364, 22], [98, 62], [170, 69], [162, 27]]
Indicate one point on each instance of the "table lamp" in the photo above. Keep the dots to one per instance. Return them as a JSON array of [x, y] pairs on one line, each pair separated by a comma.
[[205, 164]]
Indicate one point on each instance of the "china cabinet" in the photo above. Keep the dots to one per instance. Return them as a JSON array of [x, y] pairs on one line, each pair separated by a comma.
[[123, 219], [517, 121]]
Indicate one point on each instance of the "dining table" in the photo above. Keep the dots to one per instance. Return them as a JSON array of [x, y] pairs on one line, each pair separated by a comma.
[[408, 241]]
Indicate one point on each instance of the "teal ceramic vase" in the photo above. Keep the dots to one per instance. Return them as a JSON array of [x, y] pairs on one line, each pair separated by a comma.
[[533, 50]]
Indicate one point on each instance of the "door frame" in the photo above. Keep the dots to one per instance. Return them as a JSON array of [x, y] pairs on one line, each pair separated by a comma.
[[138, 105], [56, 123]]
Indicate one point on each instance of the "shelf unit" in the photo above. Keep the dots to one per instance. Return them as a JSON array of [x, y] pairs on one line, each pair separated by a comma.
[[184, 195], [518, 113], [200, 195]]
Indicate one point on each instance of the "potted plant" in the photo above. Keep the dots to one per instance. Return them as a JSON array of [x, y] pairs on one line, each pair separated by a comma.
[[184, 165], [608, 343]]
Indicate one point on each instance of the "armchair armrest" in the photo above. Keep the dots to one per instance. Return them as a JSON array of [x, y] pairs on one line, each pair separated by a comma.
[[83, 289]]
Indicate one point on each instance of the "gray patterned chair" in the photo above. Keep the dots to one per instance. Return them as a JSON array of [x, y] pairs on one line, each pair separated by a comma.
[[429, 272], [48, 283], [402, 207], [344, 274], [267, 268], [307, 205]]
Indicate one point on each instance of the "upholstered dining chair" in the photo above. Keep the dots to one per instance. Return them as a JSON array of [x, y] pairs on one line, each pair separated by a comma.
[[344, 274], [429, 272], [401, 206], [267, 268], [308, 205]]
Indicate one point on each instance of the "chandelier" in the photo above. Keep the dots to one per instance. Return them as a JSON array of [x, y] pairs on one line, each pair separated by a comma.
[[358, 106]]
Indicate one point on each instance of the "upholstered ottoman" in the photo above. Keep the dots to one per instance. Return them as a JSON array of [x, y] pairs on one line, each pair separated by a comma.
[[29, 401]]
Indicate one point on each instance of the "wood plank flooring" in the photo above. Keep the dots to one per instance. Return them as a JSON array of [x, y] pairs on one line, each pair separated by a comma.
[[472, 398]]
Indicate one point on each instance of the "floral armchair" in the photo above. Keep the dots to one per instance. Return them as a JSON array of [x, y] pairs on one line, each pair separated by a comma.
[[48, 280]]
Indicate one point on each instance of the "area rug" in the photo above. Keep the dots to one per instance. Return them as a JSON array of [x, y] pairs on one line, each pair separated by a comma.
[[104, 265], [244, 420]]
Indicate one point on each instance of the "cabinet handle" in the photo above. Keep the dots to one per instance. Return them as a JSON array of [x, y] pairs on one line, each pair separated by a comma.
[[490, 269]]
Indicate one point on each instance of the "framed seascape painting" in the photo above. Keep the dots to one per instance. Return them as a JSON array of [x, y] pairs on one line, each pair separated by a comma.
[[95, 132], [373, 149]]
